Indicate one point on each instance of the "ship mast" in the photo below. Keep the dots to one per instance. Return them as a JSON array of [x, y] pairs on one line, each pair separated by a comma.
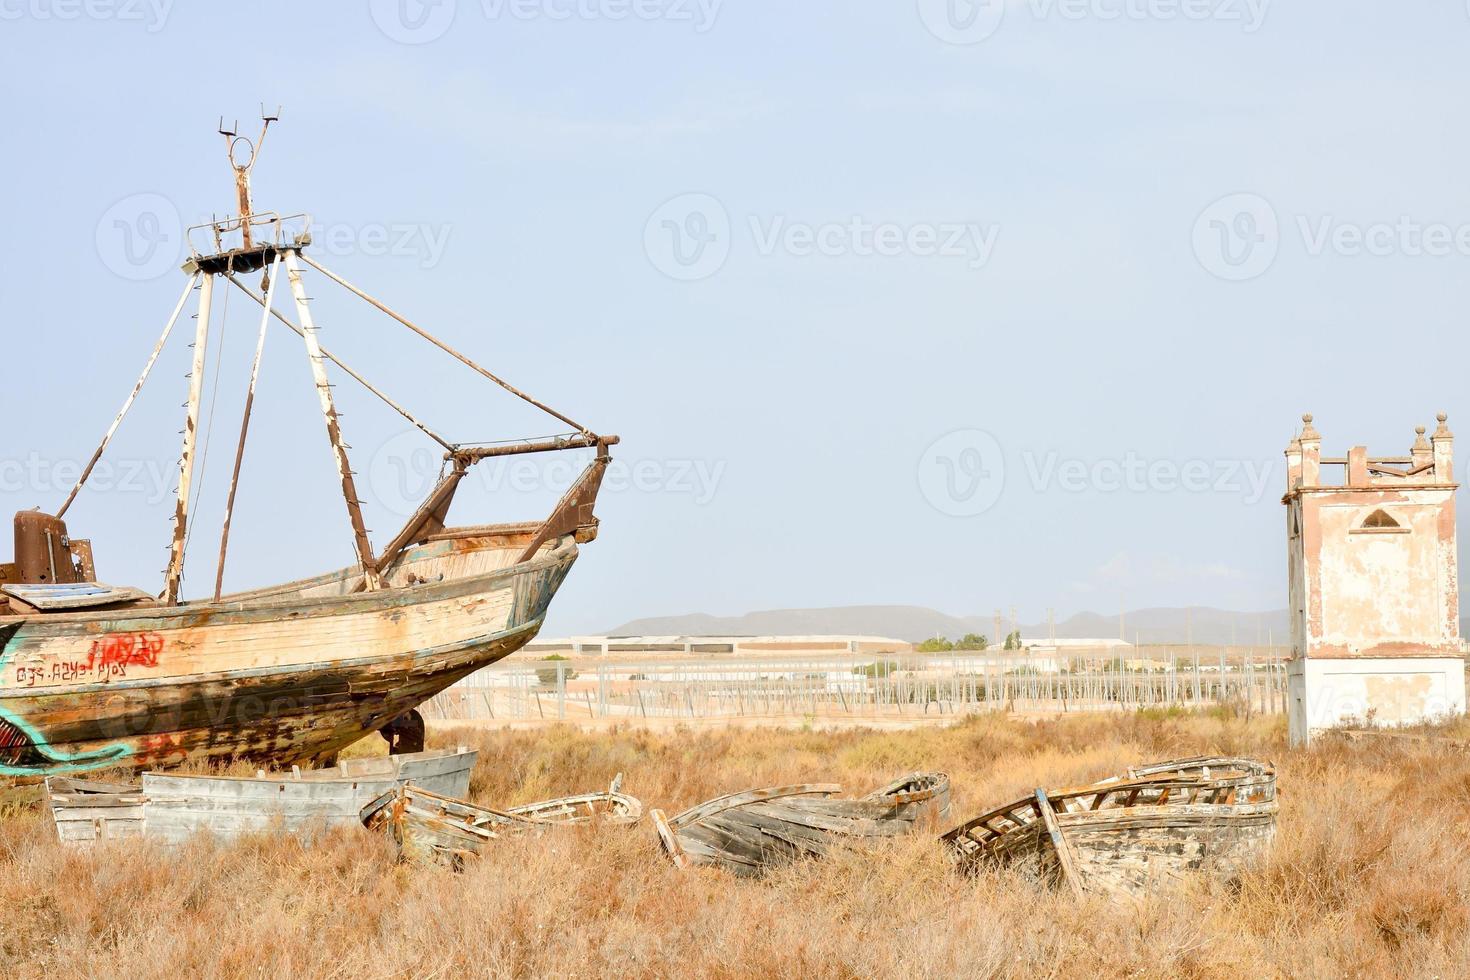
[[262, 246], [175, 575], [248, 257]]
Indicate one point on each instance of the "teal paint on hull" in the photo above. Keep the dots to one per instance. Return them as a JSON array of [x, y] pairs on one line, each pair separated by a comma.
[[19, 739]]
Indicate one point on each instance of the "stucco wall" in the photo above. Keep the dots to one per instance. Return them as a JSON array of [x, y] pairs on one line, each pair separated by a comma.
[[1328, 693]]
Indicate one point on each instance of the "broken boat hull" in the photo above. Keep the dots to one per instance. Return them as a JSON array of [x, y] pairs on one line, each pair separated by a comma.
[[1130, 835], [748, 833]]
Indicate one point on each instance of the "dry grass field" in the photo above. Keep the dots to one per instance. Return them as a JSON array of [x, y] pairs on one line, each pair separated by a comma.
[[1370, 875]]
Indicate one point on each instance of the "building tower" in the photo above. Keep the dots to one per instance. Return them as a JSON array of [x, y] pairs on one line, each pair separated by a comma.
[[1374, 595]]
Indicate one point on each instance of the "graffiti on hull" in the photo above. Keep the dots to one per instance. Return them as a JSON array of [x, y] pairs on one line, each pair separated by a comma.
[[24, 751], [109, 658]]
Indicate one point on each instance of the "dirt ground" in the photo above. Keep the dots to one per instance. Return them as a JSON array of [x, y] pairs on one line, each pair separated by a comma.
[[1369, 876]]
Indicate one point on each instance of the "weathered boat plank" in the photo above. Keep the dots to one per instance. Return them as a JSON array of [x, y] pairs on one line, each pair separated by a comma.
[[612, 806], [1061, 847]]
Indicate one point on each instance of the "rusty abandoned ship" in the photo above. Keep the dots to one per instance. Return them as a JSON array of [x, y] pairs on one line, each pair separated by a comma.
[[94, 676]]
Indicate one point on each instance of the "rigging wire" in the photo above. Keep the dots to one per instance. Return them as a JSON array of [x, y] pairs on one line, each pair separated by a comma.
[[588, 433], [132, 397], [448, 447]]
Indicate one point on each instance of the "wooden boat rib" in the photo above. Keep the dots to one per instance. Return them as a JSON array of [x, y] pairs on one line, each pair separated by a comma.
[[1128, 834], [94, 677], [432, 827], [612, 806], [428, 827], [748, 833], [172, 807], [927, 793]]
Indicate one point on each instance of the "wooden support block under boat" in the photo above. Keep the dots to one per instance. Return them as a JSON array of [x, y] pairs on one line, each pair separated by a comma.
[[1133, 833], [750, 832]]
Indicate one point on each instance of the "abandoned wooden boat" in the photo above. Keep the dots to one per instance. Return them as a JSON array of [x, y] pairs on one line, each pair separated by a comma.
[[1133, 833], [921, 798], [748, 833], [429, 826], [434, 828], [179, 805], [172, 807], [94, 676], [612, 806]]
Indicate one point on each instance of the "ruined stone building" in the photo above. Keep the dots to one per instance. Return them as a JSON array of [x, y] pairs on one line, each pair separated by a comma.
[[1374, 594]]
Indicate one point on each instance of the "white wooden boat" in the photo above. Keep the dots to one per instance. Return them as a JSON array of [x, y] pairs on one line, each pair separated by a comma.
[[94, 676], [172, 807], [180, 805]]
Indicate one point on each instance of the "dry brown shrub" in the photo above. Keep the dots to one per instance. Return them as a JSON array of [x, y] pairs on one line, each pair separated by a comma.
[[1369, 876]]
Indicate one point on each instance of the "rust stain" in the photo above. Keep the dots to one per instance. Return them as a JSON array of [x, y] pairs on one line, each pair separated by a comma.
[[1398, 699]]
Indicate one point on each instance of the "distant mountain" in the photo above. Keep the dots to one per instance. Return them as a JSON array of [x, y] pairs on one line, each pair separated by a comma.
[[897, 622], [1166, 625]]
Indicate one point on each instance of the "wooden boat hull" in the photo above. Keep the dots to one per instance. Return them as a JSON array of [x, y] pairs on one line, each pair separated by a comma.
[[749, 833], [920, 798], [428, 825], [1144, 848], [1135, 833], [433, 828], [617, 809], [279, 677], [172, 807], [179, 806]]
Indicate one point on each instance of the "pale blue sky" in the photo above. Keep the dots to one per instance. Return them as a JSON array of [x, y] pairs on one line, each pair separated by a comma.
[[969, 328]]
